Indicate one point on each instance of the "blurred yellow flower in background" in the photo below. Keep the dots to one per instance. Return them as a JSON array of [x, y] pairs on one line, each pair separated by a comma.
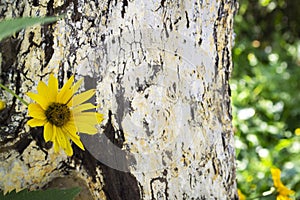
[[282, 191], [241, 195], [62, 114], [297, 131]]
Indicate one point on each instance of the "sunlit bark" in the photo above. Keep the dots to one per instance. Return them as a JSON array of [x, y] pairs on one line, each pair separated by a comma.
[[161, 70]]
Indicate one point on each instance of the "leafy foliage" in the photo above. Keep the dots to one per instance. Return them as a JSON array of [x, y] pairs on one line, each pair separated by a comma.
[[50, 194], [266, 94], [9, 27]]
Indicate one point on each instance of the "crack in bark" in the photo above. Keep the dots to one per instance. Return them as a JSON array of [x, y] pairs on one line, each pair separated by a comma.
[[164, 190], [124, 4], [215, 35], [187, 19]]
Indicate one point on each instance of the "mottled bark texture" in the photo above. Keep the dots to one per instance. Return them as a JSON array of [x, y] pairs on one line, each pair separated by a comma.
[[161, 70]]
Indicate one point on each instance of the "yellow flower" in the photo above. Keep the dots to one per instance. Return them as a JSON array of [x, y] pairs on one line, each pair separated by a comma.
[[61, 113], [2, 105], [282, 190], [297, 131], [241, 195]]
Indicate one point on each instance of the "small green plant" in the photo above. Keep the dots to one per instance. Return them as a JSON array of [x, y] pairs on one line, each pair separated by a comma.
[[50, 194], [10, 26]]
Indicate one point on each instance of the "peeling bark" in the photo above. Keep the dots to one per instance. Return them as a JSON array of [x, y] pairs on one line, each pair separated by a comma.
[[161, 70]]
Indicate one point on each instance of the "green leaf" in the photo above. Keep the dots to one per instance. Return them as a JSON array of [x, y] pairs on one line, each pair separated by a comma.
[[283, 143], [50, 194], [10, 26]]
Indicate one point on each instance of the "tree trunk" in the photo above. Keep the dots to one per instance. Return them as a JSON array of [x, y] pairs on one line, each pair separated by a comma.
[[161, 70]]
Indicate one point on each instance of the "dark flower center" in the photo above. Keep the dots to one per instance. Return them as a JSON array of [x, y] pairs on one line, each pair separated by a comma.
[[58, 114]]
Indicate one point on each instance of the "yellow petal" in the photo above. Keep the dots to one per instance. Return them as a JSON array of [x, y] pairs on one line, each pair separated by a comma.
[[42, 89], [99, 117], [86, 122], [36, 122], [70, 130], [86, 128], [276, 177], [68, 149], [78, 142], [70, 93], [67, 97], [76, 86], [55, 140], [287, 192], [241, 195], [83, 107], [36, 111], [82, 97], [283, 190], [76, 139], [61, 138], [53, 88], [65, 93], [70, 126], [48, 132], [39, 99], [88, 117], [56, 146]]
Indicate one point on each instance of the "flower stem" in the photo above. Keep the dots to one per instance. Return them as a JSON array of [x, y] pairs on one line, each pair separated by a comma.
[[14, 94]]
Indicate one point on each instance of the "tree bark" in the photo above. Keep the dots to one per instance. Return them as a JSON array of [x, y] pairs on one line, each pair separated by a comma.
[[161, 70]]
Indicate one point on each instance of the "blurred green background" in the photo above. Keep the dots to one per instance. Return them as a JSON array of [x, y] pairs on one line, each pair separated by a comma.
[[266, 94]]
